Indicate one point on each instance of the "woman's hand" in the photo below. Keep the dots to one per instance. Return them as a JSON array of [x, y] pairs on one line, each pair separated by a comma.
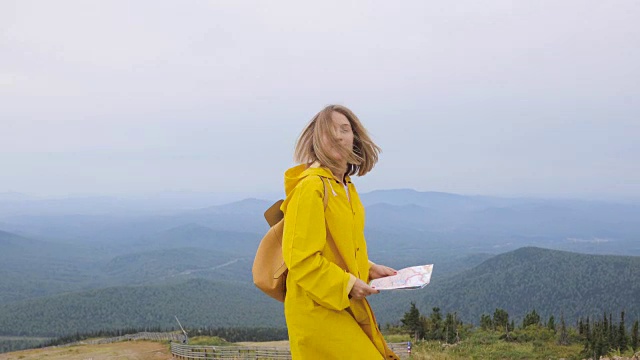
[[360, 290], [379, 271]]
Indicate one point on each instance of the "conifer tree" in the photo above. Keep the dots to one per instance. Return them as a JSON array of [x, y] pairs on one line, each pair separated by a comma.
[[451, 328], [436, 332], [600, 347], [635, 342], [485, 322], [563, 339], [500, 318], [612, 333], [531, 318], [580, 326], [551, 324], [587, 338], [605, 330], [412, 322], [623, 342]]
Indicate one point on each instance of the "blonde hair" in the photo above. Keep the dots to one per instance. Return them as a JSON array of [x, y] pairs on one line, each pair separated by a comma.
[[318, 136]]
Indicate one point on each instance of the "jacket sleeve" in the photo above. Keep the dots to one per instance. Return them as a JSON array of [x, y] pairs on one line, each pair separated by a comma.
[[304, 238]]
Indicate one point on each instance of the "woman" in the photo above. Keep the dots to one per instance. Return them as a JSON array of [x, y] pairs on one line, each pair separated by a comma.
[[328, 316]]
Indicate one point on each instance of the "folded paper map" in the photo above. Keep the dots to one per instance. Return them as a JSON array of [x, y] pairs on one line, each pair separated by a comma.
[[415, 277]]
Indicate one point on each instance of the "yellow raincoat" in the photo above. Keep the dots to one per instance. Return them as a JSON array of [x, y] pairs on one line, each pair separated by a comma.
[[323, 322]]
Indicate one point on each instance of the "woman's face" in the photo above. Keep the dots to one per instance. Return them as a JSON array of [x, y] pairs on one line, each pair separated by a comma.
[[344, 134]]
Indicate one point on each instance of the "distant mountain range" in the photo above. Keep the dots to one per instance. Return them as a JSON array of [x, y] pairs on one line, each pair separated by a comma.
[[549, 281], [482, 248], [14, 203], [573, 225]]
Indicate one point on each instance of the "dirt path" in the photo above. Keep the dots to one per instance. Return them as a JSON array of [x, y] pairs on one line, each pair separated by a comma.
[[128, 350]]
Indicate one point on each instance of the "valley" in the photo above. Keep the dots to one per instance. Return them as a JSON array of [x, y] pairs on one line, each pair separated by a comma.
[[81, 272]]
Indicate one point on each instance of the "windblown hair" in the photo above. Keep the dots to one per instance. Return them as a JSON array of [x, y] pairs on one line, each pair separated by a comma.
[[319, 136]]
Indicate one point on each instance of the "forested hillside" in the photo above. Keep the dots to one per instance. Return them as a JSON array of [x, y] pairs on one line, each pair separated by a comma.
[[197, 303], [549, 281], [32, 268], [76, 270]]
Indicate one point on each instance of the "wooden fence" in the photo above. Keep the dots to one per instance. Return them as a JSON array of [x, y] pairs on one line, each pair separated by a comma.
[[190, 352]]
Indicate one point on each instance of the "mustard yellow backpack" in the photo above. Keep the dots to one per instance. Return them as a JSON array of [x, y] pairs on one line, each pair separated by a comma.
[[269, 270]]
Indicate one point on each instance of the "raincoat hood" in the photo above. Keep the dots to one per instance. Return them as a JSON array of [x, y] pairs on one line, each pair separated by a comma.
[[295, 174]]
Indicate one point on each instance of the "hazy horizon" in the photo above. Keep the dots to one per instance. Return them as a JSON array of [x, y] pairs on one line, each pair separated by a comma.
[[526, 99], [220, 198]]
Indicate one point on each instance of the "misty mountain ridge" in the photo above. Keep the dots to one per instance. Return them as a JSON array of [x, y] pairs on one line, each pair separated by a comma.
[[550, 281], [168, 265], [13, 204], [419, 219], [432, 199], [200, 236], [8, 239], [84, 252], [250, 205], [413, 230]]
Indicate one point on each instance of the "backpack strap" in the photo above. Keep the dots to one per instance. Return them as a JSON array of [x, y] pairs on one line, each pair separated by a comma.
[[325, 197], [332, 243], [273, 214]]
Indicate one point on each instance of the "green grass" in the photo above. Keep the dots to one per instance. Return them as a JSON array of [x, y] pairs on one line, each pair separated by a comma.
[[395, 338], [208, 340], [488, 345]]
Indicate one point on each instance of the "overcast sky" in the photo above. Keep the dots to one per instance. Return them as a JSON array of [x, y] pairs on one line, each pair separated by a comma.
[[511, 98]]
